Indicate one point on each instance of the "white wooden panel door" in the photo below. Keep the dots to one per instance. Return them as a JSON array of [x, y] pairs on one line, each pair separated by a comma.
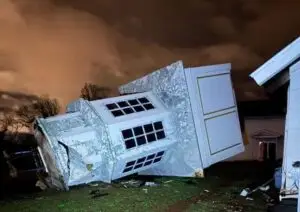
[[215, 113]]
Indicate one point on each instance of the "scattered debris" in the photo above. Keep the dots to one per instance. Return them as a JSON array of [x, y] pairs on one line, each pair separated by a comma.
[[146, 190], [268, 199], [97, 193], [264, 188], [151, 184], [249, 198], [207, 191], [132, 183], [41, 185], [39, 198], [245, 192], [94, 184]]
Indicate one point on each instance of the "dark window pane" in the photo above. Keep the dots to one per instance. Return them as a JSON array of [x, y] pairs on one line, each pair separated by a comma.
[[138, 108], [141, 160], [148, 128], [157, 160], [117, 113], [129, 143], [148, 106], [128, 110], [138, 166], [123, 104], [127, 169], [160, 154], [127, 133], [272, 151], [151, 137], [265, 151], [131, 163], [160, 135], [111, 106], [133, 102], [148, 163], [143, 100], [150, 157], [158, 125], [141, 140], [138, 131]]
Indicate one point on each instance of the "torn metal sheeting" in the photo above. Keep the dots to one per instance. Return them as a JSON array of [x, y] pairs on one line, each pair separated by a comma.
[[176, 122]]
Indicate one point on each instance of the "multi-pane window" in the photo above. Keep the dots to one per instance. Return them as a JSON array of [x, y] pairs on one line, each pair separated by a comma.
[[130, 106], [141, 135], [143, 161]]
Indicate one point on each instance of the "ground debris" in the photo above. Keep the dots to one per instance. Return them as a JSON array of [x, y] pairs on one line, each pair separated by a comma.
[[151, 184], [97, 193], [132, 183]]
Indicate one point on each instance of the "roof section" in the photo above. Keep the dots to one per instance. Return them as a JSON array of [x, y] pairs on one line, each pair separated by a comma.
[[262, 134], [277, 63]]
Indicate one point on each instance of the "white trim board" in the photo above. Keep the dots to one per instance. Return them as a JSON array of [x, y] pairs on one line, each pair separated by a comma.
[[295, 67], [277, 63]]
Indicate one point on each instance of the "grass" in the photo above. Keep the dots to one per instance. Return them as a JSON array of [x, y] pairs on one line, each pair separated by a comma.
[[173, 194]]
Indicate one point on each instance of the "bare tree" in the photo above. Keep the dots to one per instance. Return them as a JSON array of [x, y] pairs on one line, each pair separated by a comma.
[[93, 92], [5, 122], [42, 107]]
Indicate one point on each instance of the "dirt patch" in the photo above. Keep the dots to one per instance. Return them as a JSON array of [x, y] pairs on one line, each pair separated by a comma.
[[183, 205], [222, 197]]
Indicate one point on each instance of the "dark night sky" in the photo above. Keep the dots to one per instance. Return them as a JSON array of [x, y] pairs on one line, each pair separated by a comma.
[[133, 37]]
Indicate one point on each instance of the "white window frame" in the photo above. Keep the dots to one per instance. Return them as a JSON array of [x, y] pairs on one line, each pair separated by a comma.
[[152, 160], [109, 118], [132, 107], [145, 134], [116, 129]]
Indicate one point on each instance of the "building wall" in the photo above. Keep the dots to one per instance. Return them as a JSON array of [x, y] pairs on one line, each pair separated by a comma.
[[170, 86], [253, 125]]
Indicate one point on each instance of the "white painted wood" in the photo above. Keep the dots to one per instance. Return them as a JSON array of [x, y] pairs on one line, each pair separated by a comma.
[[215, 98], [292, 144], [226, 126], [298, 205], [277, 63], [215, 113], [294, 70], [295, 67], [43, 159]]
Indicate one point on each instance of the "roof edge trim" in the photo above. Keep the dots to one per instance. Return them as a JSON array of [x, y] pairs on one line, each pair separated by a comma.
[[277, 63]]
